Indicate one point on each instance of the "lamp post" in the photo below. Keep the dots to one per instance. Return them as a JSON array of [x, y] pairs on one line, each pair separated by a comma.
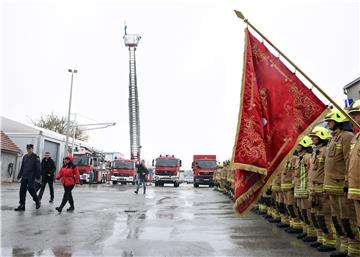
[[68, 117]]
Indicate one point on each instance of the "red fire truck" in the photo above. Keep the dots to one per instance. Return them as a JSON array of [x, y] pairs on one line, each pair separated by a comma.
[[123, 171], [167, 170], [91, 166], [203, 167]]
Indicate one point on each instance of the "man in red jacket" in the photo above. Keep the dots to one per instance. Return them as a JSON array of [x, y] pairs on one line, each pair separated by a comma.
[[70, 176]]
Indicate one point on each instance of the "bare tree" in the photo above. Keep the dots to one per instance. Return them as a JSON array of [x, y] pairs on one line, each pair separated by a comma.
[[58, 124]]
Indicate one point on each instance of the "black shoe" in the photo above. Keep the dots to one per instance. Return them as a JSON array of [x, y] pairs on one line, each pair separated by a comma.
[[301, 236], [309, 239], [71, 208], [51, 200], [38, 204], [59, 209], [282, 225], [267, 217], [316, 244], [21, 207], [274, 221], [135, 192], [325, 248], [294, 230], [338, 254]]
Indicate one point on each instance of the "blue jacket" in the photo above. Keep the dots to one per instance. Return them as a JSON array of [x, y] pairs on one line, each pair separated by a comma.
[[30, 167]]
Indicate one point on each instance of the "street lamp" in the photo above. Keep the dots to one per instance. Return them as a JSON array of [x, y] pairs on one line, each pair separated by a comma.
[[68, 118]]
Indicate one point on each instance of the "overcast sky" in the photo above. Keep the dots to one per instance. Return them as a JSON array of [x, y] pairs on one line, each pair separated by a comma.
[[189, 63]]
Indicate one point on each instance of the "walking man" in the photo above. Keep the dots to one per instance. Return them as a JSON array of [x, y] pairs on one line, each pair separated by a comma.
[[47, 173], [29, 171], [142, 172]]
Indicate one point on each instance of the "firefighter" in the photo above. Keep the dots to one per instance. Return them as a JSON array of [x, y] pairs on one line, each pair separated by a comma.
[[29, 171], [276, 199], [70, 176], [142, 172], [301, 171], [287, 188], [335, 181], [354, 183], [320, 207]]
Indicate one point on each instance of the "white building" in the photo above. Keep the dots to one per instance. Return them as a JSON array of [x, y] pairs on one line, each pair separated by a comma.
[[44, 140]]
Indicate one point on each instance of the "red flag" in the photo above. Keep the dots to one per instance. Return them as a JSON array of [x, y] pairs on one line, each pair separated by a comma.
[[276, 109]]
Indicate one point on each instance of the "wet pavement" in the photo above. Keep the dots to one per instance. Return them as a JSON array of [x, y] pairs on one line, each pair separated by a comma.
[[110, 220]]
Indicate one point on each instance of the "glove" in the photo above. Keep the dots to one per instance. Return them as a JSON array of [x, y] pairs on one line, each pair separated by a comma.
[[18, 177]]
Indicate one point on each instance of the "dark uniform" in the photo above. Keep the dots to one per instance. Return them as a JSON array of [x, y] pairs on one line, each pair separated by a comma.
[[47, 176], [29, 171], [142, 172]]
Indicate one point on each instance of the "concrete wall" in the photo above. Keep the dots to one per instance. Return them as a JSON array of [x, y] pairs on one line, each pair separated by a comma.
[[6, 159]]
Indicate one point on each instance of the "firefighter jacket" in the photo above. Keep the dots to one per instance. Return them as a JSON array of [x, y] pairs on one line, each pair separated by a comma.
[[69, 175], [354, 169], [287, 173], [301, 171], [276, 183], [316, 173], [336, 162], [30, 167]]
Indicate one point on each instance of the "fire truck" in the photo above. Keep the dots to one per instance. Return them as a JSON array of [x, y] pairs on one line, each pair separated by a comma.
[[167, 170], [123, 171], [203, 168], [91, 165]]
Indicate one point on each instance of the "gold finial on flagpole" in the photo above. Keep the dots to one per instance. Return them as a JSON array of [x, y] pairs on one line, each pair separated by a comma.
[[239, 14]]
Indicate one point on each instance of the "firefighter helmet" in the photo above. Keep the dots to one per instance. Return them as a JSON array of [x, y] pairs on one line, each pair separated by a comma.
[[320, 132], [336, 116], [355, 107], [305, 141]]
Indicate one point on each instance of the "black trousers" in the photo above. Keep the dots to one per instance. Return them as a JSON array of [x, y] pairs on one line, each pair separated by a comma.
[[27, 184], [47, 180], [67, 196]]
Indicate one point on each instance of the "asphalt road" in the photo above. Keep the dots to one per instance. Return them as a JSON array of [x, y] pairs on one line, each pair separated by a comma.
[[110, 220]]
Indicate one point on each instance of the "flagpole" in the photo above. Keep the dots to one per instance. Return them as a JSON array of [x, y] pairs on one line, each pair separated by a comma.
[[241, 16]]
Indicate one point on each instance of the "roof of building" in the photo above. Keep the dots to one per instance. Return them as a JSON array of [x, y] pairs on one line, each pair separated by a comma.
[[352, 83], [8, 145]]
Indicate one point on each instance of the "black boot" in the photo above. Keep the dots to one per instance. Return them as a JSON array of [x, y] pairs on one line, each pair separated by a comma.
[[38, 204], [325, 248], [51, 200], [59, 209], [282, 225], [71, 208], [309, 239], [301, 236], [21, 207], [294, 230], [316, 244]]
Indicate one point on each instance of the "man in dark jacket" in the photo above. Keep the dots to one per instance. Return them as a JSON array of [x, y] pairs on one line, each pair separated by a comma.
[[47, 176], [29, 171], [142, 172]]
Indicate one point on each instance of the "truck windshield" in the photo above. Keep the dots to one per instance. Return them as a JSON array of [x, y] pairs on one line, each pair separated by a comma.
[[81, 160], [167, 162], [210, 164], [123, 165]]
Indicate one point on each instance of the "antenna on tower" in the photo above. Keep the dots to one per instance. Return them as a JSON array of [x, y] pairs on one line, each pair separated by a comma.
[[125, 28]]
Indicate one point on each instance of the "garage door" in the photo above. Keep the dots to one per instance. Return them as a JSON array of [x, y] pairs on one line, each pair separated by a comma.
[[52, 148]]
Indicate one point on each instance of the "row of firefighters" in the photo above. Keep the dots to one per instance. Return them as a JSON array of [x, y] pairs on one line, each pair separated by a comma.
[[316, 193]]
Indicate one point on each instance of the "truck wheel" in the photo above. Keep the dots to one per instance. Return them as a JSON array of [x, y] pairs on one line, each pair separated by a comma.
[[176, 184], [196, 185], [114, 182], [156, 184], [133, 183]]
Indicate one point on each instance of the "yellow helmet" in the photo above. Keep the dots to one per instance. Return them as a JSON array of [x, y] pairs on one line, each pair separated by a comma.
[[336, 116], [305, 141], [355, 107], [320, 132]]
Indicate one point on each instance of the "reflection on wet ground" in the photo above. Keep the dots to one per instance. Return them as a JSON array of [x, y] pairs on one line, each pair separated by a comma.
[[110, 220]]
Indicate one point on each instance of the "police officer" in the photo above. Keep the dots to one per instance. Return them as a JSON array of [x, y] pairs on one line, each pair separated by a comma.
[[354, 183], [47, 175], [335, 181], [29, 171]]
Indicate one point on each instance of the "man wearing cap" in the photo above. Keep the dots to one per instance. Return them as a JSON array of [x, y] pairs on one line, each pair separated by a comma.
[[29, 171], [354, 183], [47, 176]]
